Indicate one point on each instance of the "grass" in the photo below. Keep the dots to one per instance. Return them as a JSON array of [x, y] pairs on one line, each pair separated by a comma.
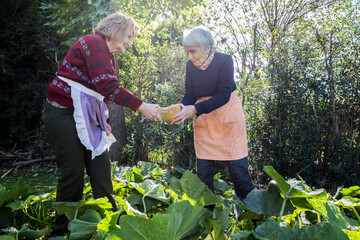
[[41, 178]]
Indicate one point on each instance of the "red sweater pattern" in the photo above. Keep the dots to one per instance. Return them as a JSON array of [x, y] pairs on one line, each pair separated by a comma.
[[90, 63]]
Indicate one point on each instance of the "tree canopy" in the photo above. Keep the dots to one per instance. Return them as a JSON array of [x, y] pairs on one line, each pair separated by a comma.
[[297, 72]]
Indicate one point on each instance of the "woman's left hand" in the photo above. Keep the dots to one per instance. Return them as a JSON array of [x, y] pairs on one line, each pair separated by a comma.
[[108, 130], [185, 113], [149, 111]]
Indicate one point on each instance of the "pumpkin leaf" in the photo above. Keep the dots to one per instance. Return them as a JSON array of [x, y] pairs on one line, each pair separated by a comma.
[[181, 220], [293, 188], [268, 202], [351, 191], [190, 187], [272, 230]]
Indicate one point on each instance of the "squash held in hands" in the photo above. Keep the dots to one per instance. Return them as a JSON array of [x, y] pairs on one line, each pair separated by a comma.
[[168, 113]]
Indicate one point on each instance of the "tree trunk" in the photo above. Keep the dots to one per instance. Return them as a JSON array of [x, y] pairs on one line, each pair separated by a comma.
[[118, 130], [118, 126]]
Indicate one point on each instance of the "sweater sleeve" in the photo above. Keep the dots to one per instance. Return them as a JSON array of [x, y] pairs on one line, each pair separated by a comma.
[[222, 96], [189, 98], [100, 63]]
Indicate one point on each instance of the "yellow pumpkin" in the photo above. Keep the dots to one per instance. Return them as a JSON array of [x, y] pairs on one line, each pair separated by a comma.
[[168, 113]]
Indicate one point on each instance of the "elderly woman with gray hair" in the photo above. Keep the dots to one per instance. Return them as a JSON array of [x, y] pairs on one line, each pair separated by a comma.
[[76, 115], [219, 122]]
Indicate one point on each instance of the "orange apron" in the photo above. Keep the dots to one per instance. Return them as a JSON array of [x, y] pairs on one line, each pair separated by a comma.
[[221, 134]]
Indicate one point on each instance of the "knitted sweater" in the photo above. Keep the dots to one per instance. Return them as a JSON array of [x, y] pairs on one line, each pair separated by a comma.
[[217, 81], [90, 63]]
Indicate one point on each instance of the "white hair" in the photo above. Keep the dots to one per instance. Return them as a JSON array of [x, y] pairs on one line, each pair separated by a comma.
[[198, 36]]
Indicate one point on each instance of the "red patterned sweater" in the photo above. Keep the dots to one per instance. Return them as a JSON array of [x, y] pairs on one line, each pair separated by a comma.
[[90, 62]]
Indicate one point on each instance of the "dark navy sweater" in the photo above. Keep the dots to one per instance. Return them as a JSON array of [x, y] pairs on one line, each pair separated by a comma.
[[216, 81]]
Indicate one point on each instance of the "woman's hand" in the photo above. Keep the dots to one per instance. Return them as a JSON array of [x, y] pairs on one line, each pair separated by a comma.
[[109, 129], [149, 111], [185, 113]]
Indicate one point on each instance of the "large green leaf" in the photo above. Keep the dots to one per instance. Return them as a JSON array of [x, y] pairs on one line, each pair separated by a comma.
[[91, 215], [18, 190], [351, 191], [109, 223], [149, 170], [130, 210], [241, 235], [113, 234], [25, 232], [293, 188], [70, 209], [349, 203], [333, 214], [271, 230], [119, 187], [352, 234], [119, 173], [181, 220], [140, 173], [6, 237], [152, 189], [222, 222], [268, 202], [190, 187], [32, 234], [80, 230], [138, 201], [221, 185]]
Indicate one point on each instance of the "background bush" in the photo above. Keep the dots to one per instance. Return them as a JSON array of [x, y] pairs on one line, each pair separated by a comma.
[[298, 79]]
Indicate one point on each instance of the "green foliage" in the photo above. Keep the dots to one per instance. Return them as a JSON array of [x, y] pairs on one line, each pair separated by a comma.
[[25, 233], [271, 230], [298, 77], [178, 212], [268, 202], [15, 193], [156, 74], [19, 205], [74, 209], [190, 188], [75, 18], [182, 221], [150, 10], [26, 66]]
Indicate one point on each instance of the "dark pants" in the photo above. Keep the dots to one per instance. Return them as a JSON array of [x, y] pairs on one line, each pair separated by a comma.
[[238, 171], [72, 158]]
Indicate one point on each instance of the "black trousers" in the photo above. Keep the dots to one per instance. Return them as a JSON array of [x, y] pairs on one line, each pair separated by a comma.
[[72, 158], [238, 171]]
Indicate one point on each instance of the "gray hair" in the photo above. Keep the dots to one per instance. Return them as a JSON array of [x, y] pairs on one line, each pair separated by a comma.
[[198, 36], [114, 26]]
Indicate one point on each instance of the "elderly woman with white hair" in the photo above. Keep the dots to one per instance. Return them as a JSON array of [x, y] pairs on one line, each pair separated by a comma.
[[76, 115], [219, 122]]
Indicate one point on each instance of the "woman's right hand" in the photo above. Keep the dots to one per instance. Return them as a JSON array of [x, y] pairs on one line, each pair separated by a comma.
[[185, 113], [149, 111]]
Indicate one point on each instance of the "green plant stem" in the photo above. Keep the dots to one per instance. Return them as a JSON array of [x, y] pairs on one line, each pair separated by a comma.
[[27, 214], [39, 213], [300, 222], [319, 217], [43, 210], [356, 213], [143, 201], [76, 212], [282, 209]]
